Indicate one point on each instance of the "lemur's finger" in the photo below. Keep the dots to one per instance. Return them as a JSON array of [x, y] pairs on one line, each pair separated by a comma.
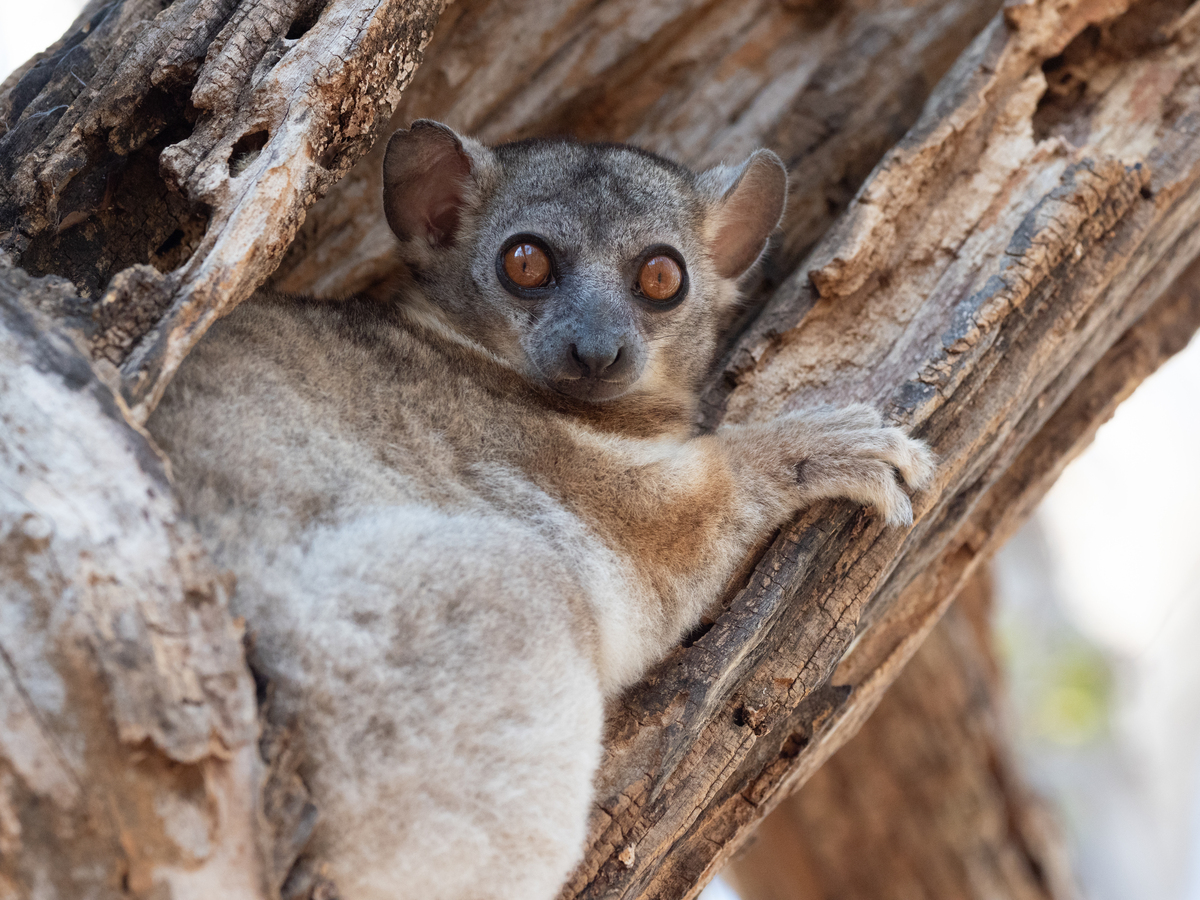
[[888, 498], [911, 457], [899, 512], [856, 417], [870, 481], [859, 417]]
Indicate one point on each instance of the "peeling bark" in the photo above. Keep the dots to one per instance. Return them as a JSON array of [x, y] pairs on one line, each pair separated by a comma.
[[162, 155]]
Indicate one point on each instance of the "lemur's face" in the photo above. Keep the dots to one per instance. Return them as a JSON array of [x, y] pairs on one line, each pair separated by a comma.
[[593, 259], [590, 323], [596, 270]]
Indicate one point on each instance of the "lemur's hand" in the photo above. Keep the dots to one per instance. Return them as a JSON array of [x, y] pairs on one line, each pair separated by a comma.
[[849, 453], [828, 453]]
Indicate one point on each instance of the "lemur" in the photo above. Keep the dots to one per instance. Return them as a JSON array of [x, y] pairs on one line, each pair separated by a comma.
[[462, 519]]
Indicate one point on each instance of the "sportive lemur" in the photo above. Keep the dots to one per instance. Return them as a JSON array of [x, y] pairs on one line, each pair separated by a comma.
[[463, 518]]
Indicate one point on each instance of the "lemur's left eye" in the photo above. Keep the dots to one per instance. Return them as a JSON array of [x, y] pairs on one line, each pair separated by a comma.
[[660, 278], [527, 265]]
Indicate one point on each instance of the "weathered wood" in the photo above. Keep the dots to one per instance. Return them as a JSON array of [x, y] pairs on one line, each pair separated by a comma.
[[926, 800], [982, 271], [1163, 331], [827, 866], [128, 745], [162, 155]]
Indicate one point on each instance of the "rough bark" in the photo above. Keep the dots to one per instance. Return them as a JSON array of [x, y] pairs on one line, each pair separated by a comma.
[[128, 754], [990, 261], [926, 800], [161, 155], [1041, 203]]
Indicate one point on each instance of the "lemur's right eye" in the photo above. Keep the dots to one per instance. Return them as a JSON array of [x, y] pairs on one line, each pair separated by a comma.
[[660, 278], [527, 265]]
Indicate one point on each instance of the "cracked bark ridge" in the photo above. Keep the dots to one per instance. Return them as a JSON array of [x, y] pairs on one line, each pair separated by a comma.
[[128, 753], [162, 155], [983, 270], [926, 800]]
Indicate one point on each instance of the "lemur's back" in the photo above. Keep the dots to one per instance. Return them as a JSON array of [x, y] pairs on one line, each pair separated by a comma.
[[296, 409]]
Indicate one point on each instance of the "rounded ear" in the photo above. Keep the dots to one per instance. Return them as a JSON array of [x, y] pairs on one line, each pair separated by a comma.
[[750, 205], [426, 173]]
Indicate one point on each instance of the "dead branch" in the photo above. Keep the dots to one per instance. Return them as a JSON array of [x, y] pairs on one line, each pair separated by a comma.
[[162, 155]]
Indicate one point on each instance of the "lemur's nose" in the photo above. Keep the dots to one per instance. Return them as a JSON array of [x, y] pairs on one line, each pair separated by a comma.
[[595, 362]]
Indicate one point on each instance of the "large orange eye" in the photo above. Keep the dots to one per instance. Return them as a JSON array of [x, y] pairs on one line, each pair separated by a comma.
[[660, 278], [527, 265]]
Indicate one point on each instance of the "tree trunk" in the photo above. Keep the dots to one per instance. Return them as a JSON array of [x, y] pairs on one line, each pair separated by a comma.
[[162, 158], [926, 800], [128, 757]]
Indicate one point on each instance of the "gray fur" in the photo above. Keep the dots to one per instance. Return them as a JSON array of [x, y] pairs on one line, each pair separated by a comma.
[[448, 552]]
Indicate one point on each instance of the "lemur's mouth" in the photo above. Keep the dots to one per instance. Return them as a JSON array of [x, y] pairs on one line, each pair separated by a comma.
[[593, 390]]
